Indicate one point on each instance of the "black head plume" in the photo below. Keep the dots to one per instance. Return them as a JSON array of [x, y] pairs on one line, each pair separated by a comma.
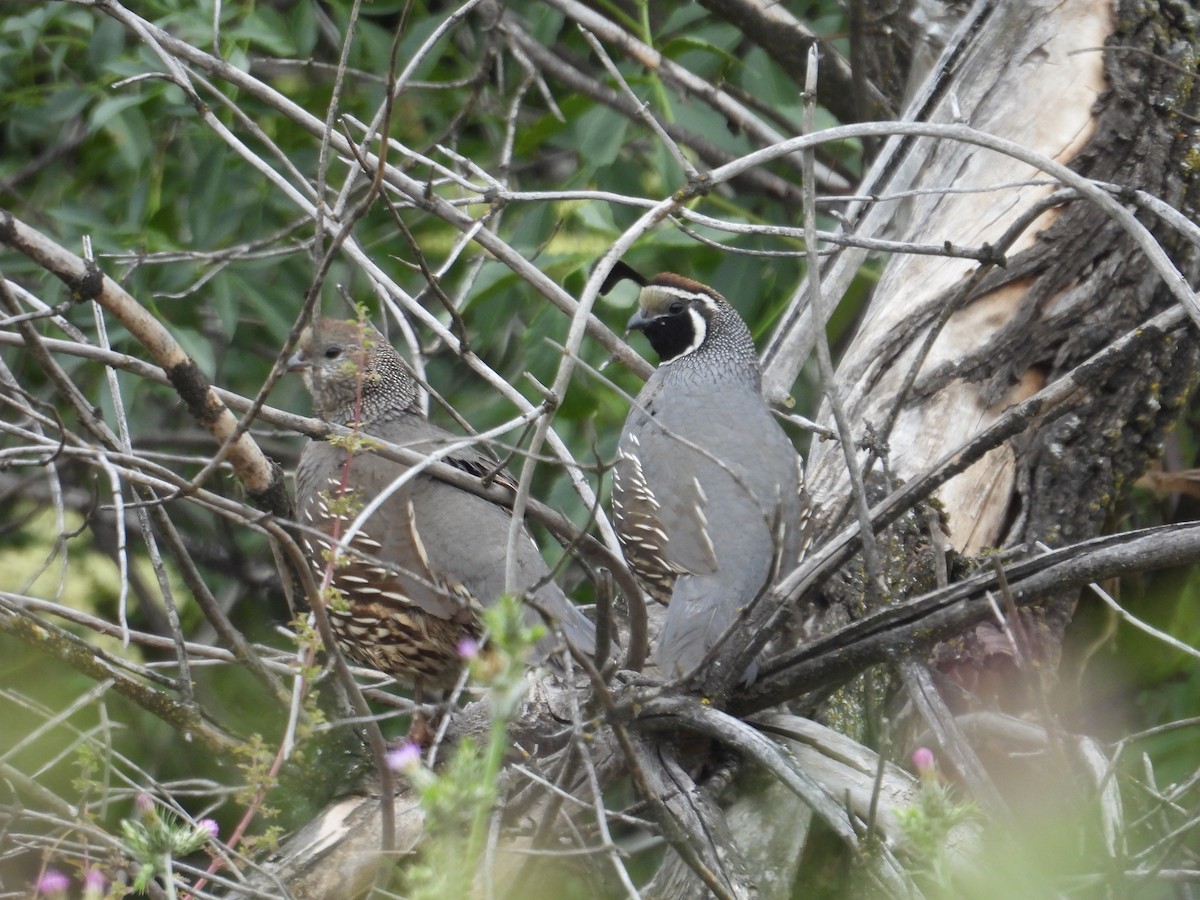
[[621, 271]]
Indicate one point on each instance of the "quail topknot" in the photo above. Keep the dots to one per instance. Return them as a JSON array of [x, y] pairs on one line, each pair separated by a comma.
[[706, 487], [408, 587]]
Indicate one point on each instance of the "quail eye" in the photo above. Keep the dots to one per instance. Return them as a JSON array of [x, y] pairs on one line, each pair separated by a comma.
[[333, 352], [676, 308]]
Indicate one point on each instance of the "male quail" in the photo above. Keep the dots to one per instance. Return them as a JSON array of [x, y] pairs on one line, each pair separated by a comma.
[[407, 590], [706, 493]]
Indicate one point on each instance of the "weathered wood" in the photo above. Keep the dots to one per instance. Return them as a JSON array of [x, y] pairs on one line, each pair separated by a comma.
[[1026, 63], [937, 358]]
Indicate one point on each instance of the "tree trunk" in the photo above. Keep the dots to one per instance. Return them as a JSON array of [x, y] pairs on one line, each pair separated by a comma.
[[958, 344]]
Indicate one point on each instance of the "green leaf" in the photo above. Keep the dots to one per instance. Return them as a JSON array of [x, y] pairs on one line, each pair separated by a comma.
[[111, 107], [107, 41], [602, 133]]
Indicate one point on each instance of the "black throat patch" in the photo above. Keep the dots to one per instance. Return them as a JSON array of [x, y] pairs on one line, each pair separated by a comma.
[[676, 336]]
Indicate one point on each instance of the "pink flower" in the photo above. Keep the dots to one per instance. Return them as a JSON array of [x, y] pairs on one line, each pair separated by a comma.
[[404, 758], [467, 648], [143, 803], [53, 882], [210, 826], [94, 883], [923, 761]]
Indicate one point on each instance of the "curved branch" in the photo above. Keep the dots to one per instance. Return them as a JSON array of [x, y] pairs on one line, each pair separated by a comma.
[[691, 713], [917, 625]]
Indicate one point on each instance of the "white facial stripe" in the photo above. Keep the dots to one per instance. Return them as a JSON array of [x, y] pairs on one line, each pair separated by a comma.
[[699, 330], [677, 293]]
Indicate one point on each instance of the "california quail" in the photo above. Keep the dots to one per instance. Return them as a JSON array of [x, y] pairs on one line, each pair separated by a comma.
[[706, 487], [407, 590]]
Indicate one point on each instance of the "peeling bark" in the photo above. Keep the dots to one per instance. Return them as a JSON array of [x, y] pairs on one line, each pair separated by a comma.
[[1072, 282]]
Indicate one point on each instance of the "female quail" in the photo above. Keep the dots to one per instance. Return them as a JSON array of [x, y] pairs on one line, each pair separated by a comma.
[[407, 589]]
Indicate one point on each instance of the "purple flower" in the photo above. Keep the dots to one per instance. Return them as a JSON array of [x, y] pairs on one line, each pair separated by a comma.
[[53, 882], [404, 758], [210, 826], [923, 761], [143, 803], [94, 883], [467, 648]]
